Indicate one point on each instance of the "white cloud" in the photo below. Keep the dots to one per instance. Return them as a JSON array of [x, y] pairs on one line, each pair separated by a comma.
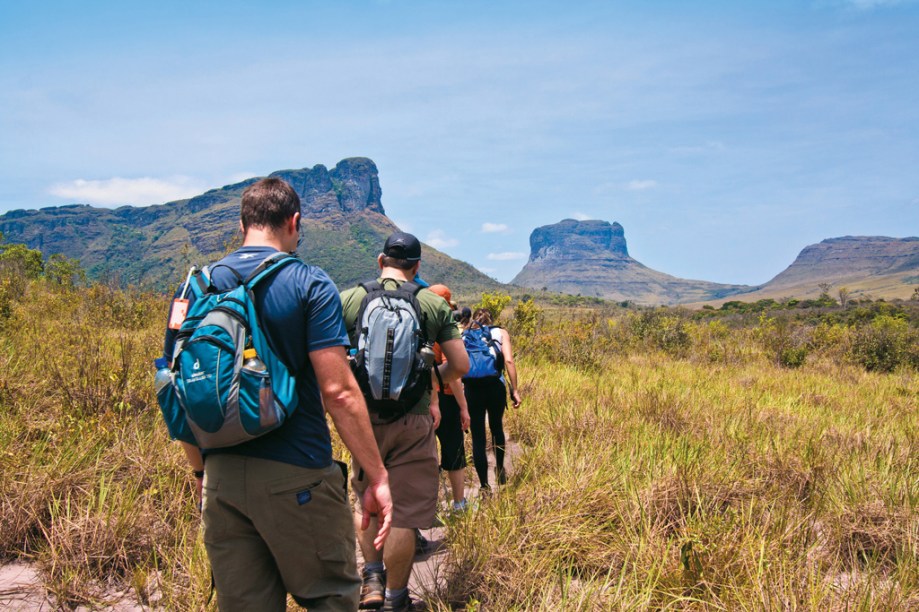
[[581, 216], [438, 239], [867, 5], [120, 191], [640, 185], [507, 256], [494, 228]]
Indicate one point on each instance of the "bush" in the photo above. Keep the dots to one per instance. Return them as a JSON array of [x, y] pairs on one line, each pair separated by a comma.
[[494, 303], [785, 342], [884, 344]]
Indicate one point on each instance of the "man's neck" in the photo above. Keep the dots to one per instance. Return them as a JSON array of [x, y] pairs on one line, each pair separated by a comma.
[[257, 237], [395, 274]]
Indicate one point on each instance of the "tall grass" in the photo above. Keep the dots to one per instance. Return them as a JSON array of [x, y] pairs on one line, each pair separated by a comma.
[[653, 481], [669, 461], [92, 489]]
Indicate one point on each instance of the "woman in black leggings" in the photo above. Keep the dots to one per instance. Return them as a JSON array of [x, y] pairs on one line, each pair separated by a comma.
[[487, 397]]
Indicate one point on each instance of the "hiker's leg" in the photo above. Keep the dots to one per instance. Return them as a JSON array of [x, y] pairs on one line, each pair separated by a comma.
[[398, 557], [497, 402], [366, 537], [304, 517], [479, 441], [496, 424], [452, 451], [457, 484], [245, 574]]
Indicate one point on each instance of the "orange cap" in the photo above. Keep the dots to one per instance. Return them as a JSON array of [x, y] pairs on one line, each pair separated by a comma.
[[442, 291]]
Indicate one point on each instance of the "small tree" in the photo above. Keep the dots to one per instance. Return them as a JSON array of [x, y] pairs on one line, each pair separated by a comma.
[[844, 295], [63, 270], [20, 260], [494, 303]]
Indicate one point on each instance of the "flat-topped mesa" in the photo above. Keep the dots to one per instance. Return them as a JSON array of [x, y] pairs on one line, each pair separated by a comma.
[[578, 240], [351, 186]]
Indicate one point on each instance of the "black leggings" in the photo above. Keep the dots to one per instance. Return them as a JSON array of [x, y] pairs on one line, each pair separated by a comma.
[[486, 396]]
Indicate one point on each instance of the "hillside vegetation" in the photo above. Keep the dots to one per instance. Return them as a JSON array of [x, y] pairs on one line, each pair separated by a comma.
[[747, 458]]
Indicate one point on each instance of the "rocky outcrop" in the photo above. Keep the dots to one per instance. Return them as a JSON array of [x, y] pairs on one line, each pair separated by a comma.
[[351, 186], [591, 258], [866, 266], [578, 240], [849, 256]]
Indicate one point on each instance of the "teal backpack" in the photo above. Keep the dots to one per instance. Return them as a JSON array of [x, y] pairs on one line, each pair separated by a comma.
[[227, 384]]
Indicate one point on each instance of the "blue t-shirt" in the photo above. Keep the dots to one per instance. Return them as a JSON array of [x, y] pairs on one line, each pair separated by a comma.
[[300, 312]]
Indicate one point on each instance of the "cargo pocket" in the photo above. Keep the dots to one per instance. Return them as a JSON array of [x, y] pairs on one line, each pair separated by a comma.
[[292, 501]]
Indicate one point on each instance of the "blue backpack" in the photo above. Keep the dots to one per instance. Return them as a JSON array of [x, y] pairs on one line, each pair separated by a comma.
[[485, 357], [228, 385]]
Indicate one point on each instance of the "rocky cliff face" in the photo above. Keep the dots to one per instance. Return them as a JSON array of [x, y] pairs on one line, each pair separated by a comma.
[[344, 227], [867, 266], [592, 258], [578, 240], [849, 256]]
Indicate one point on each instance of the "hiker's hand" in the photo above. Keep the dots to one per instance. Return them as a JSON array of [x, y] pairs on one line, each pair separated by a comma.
[[378, 502], [199, 485], [464, 419], [515, 395], [435, 413]]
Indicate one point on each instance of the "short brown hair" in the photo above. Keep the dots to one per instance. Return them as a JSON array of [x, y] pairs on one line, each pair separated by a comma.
[[400, 264], [268, 204]]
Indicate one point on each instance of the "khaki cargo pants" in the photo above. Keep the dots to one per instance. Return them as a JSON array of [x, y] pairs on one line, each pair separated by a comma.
[[271, 528]]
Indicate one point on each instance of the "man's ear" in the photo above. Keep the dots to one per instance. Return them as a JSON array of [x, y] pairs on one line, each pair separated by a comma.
[[380, 260], [242, 229]]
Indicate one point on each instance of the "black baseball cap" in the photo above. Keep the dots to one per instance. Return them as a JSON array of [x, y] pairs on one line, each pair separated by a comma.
[[401, 245]]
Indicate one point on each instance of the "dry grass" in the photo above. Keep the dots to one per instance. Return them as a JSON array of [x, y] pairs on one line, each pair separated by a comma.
[[672, 483], [667, 464]]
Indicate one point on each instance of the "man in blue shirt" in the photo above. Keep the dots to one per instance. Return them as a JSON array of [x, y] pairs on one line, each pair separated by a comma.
[[275, 509]]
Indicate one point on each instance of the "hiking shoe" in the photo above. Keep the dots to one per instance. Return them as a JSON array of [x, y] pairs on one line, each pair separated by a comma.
[[373, 589], [501, 476], [424, 546], [403, 604], [460, 506]]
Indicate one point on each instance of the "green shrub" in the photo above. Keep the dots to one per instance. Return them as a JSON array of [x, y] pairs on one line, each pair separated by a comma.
[[884, 344], [494, 303]]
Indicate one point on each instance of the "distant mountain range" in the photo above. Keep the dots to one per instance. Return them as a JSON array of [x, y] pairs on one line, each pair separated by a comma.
[[591, 258], [345, 225]]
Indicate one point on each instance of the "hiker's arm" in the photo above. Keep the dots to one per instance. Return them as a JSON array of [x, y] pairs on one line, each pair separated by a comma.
[[457, 361], [434, 408], [343, 401], [196, 461], [459, 392], [508, 351]]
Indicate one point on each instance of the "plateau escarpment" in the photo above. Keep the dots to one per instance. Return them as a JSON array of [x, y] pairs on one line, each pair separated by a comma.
[[591, 258]]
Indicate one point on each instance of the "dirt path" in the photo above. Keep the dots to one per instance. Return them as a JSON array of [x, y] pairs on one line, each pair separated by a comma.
[[429, 572]]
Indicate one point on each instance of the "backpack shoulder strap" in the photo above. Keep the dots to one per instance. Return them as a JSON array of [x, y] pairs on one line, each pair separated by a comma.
[[411, 287], [370, 286], [269, 266]]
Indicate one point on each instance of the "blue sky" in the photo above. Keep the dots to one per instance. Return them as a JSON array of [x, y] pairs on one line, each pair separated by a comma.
[[724, 136]]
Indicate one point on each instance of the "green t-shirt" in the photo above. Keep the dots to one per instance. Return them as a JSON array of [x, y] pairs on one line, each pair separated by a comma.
[[438, 318]]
